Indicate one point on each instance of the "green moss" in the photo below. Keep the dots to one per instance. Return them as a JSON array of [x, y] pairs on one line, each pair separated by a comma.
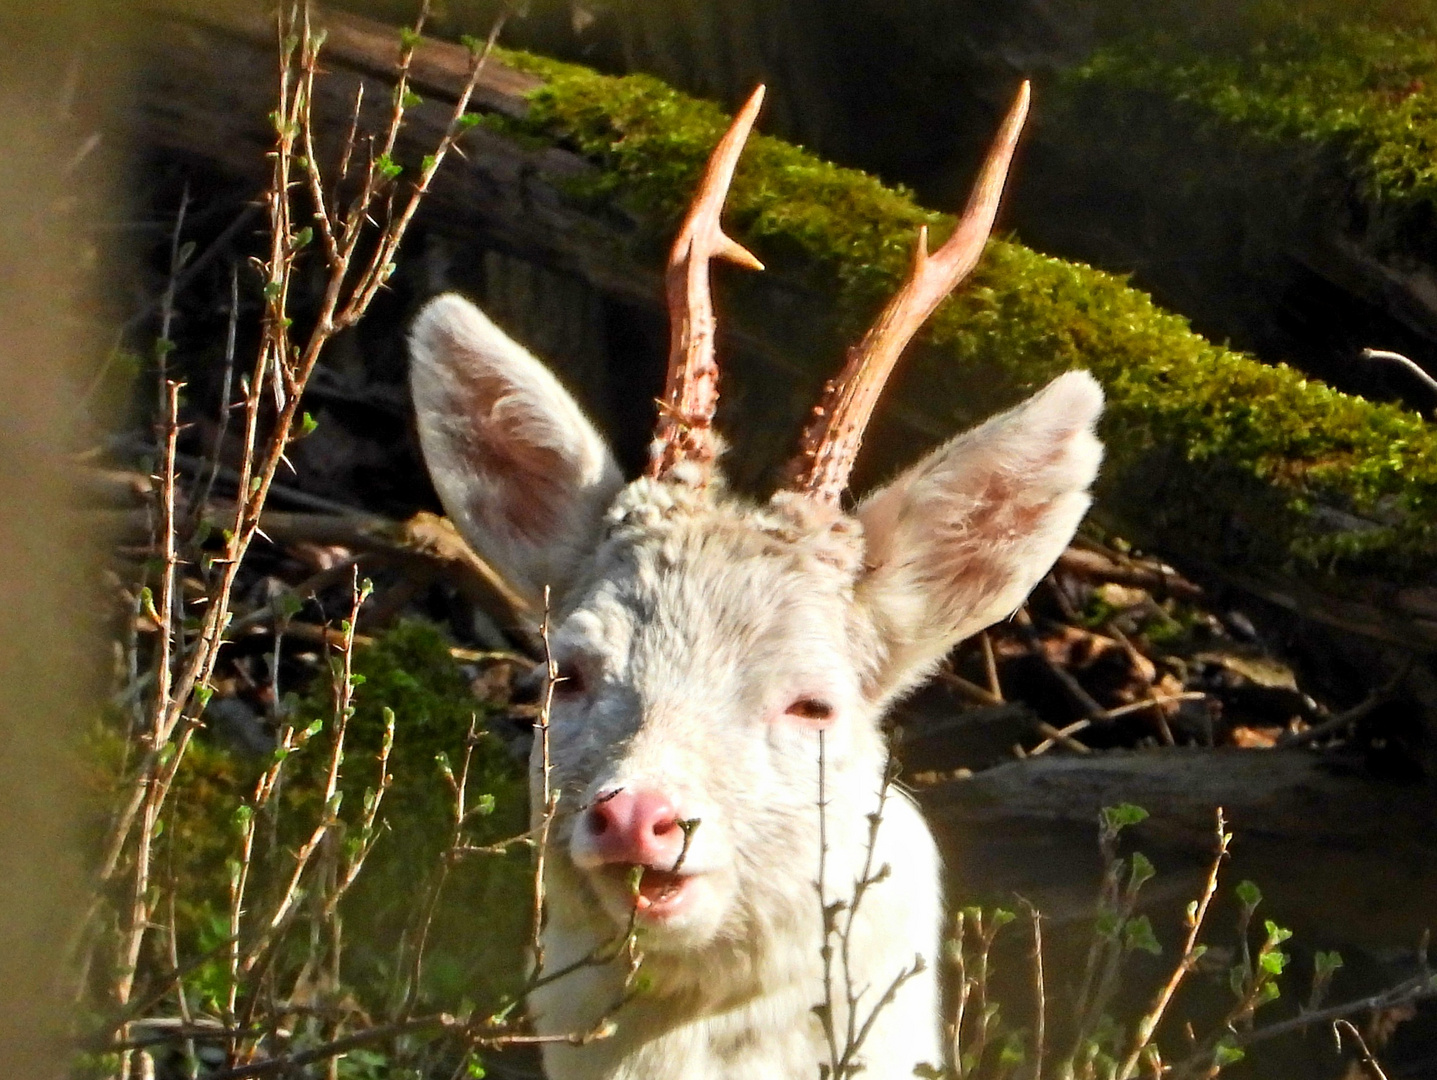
[[1368, 92], [1274, 438]]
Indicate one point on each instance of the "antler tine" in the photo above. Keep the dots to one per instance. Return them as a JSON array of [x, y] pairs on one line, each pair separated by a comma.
[[835, 431], [685, 427]]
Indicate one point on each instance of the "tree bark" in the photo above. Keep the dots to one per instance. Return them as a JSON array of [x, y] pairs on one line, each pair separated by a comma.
[[1332, 846]]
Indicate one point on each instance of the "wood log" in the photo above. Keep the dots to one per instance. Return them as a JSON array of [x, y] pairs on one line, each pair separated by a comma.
[[573, 204], [1333, 847], [205, 92]]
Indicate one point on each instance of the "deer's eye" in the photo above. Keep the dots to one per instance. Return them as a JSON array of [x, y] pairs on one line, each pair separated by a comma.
[[570, 680], [813, 710]]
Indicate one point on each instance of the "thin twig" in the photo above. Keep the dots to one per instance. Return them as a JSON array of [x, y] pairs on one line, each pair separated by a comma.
[[1343, 720], [1040, 996], [202, 494], [990, 666], [1091, 709], [1366, 1057], [1148, 1024], [549, 797], [1401, 361]]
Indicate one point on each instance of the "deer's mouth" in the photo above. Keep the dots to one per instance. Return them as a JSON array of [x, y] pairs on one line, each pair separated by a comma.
[[658, 890], [650, 894]]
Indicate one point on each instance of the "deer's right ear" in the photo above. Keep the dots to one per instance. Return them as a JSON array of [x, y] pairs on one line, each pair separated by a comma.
[[521, 471]]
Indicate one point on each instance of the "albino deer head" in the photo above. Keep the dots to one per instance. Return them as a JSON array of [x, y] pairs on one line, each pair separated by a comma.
[[705, 641]]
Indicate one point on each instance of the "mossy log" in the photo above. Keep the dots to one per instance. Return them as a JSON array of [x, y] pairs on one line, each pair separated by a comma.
[[1331, 845], [1278, 186], [1244, 472]]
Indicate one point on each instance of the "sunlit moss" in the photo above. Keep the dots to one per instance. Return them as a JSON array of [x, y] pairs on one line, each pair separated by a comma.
[[1367, 92], [1255, 433]]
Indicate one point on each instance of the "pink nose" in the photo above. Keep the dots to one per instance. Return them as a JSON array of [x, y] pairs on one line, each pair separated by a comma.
[[635, 827]]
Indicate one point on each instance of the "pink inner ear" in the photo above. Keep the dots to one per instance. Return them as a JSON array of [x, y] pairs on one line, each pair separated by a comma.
[[529, 477]]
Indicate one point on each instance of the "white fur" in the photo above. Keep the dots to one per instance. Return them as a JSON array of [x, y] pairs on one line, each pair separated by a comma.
[[477, 392], [695, 620]]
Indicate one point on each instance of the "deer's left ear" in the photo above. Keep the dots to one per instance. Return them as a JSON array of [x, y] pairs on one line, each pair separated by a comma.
[[957, 541]]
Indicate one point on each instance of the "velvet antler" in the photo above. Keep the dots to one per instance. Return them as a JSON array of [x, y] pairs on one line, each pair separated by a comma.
[[685, 428], [835, 431]]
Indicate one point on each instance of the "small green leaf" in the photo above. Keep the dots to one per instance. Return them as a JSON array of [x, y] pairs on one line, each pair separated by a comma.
[[302, 239], [468, 120], [203, 694], [1269, 991], [1138, 934], [1248, 894], [1142, 872], [410, 100], [409, 38], [242, 817], [387, 167], [306, 425], [1325, 963], [1272, 961], [473, 44], [484, 805], [430, 161], [1117, 818], [1227, 1053], [1276, 935], [1012, 1053], [1002, 917]]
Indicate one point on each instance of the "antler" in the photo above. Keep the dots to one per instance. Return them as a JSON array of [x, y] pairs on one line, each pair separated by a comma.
[[835, 431], [685, 427]]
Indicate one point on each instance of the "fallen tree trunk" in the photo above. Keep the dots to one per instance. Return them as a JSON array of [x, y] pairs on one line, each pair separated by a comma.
[[1331, 846], [1238, 469]]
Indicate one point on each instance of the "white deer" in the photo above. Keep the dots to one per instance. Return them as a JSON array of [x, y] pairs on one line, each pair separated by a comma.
[[712, 650]]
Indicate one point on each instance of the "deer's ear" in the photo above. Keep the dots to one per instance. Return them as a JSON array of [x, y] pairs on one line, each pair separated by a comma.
[[957, 542], [520, 470]]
